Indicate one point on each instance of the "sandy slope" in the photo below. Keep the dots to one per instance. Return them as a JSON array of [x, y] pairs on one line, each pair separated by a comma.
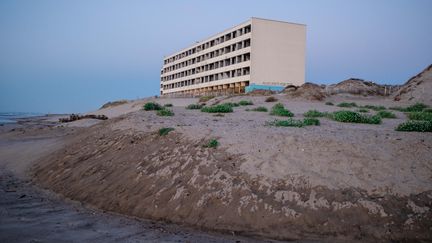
[[337, 181]]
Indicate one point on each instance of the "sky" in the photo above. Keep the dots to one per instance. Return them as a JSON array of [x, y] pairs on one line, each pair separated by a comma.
[[73, 56]]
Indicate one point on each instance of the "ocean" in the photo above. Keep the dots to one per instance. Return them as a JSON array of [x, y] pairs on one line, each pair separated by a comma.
[[10, 117]]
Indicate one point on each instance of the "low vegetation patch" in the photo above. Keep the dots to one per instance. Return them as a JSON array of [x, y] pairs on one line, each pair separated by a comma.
[[168, 105], [422, 116], [224, 108], [206, 98], [165, 112], [295, 123], [347, 105], [219, 115], [386, 114], [428, 110], [212, 143], [363, 110], [270, 99], [152, 106], [245, 102], [165, 130], [279, 110], [354, 117], [260, 109], [329, 103], [413, 108], [374, 107], [314, 113], [415, 126], [194, 106], [231, 104]]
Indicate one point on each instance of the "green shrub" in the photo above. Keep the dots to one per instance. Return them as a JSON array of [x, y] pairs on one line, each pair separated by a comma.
[[212, 143], [428, 110], [415, 126], [224, 108], [413, 108], [270, 99], [165, 112], [314, 113], [194, 106], [355, 117], [206, 98], [363, 110], [386, 114], [260, 109], [152, 106], [245, 102], [279, 110], [423, 116], [231, 104], [168, 105], [311, 122], [375, 108], [329, 103], [346, 104], [165, 130]]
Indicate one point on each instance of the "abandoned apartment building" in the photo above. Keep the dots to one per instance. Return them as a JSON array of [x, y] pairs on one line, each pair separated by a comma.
[[257, 54]]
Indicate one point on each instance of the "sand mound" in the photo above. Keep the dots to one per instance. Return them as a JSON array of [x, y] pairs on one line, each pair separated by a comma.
[[417, 88], [307, 91], [359, 87]]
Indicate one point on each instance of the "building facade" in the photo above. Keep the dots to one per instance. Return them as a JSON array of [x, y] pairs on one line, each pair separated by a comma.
[[257, 52]]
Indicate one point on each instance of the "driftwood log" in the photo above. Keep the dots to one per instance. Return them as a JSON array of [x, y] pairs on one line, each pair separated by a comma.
[[75, 117]]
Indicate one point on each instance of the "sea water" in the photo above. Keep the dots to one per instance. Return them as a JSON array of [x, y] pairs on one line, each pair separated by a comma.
[[10, 117]]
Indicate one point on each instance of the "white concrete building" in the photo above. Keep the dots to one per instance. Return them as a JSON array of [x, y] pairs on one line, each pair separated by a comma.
[[256, 52]]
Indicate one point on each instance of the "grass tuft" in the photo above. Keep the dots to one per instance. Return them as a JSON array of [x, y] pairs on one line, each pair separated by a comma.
[[415, 126], [355, 117], [422, 116], [295, 123], [279, 110], [224, 108], [245, 102], [212, 143], [347, 105], [260, 109], [413, 108], [363, 110], [231, 104], [314, 113], [311, 122], [386, 114], [152, 106], [165, 130], [168, 105], [329, 103], [194, 106], [374, 107], [165, 112]]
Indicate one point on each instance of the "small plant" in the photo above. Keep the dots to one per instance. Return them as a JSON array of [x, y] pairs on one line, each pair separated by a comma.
[[286, 123], [386, 114], [363, 110], [165, 130], [347, 105], [329, 103], [413, 108], [260, 109], [212, 143], [415, 126], [354, 117], [168, 105], [194, 106], [206, 98], [279, 110], [314, 113], [270, 99], [311, 122], [152, 106], [165, 112], [245, 102], [375, 108], [231, 104], [422, 116], [224, 108]]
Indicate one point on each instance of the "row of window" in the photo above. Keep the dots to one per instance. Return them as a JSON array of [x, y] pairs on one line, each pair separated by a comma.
[[211, 66], [216, 53], [209, 78], [211, 43]]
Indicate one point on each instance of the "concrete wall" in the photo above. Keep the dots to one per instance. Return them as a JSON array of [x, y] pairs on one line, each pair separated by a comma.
[[278, 52]]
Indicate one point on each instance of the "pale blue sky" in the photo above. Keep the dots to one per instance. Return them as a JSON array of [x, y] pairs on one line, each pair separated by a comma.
[[72, 56]]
